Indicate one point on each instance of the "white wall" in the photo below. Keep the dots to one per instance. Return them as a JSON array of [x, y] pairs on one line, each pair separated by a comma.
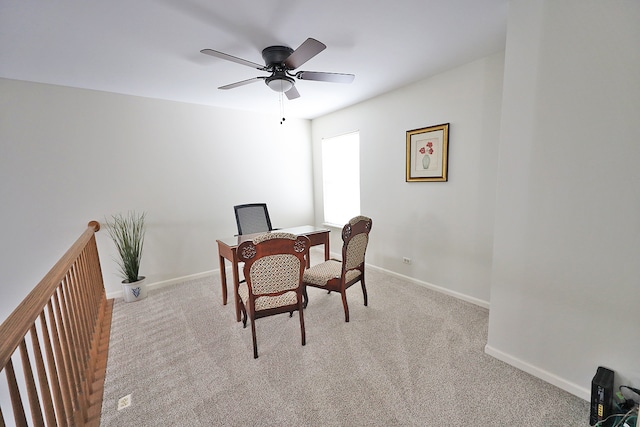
[[68, 156], [446, 228], [565, 292], [555, 252]]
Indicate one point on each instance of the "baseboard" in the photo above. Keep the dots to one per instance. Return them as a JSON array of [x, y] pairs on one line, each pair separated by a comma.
[[163, 283], [555, 380], [561, 383], [458, 295], [567, 386], [463, 297]]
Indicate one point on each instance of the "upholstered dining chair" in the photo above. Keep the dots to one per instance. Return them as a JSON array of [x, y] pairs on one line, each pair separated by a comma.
[[252, 218], [273, 268], [338, 276]]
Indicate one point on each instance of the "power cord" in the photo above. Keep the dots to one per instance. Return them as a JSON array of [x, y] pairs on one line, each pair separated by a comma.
[[633, 389], [628, 405], [632, 413]]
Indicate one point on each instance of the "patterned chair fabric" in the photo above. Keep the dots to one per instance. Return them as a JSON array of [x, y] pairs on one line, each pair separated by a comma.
[[337, 276], [273, 268], [320, 274]]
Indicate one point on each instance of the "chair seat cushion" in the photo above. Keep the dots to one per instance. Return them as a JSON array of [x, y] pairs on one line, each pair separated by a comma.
[[320, 274], [265, 302]]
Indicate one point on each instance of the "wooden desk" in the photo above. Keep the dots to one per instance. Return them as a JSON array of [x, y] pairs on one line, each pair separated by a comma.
[[227, 250]]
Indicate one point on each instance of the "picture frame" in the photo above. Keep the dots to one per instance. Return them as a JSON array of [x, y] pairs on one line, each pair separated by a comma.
[[427, 153]]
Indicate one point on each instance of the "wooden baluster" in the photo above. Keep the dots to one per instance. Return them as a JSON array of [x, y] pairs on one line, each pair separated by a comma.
[[1, 418], [45, 390], [76, 321], [65, 368], [72, 348], [16, 400], [93, 317], [56, 386], [32, 392], [84, 327]]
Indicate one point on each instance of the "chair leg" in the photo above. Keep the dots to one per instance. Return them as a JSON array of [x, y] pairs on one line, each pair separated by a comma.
[[305, 297], [302, 330], [255, 342], [364, 291], [344, 303], [244, 315]]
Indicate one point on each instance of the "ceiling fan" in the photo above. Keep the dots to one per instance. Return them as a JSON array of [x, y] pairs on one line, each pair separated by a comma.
[[280, 61]]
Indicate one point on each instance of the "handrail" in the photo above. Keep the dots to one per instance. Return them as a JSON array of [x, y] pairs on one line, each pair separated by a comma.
[[63, 326]]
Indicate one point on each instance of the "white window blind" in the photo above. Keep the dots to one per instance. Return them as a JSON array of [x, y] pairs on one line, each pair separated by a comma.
[[341, 178]]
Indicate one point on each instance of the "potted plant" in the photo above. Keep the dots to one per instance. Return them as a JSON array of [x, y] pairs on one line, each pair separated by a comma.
[[127, 232]]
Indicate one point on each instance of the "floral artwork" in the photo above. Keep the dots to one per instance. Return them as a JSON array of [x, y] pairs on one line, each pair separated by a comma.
[[427, 153], [428, 149]]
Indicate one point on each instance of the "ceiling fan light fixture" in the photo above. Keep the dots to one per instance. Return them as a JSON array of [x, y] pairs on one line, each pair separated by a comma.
[[280, 83]]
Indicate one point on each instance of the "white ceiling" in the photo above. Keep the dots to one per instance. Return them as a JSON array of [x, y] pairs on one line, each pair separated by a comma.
[[151, 48]]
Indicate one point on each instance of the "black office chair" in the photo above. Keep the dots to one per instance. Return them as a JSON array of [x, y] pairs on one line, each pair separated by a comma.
[[252, 218]]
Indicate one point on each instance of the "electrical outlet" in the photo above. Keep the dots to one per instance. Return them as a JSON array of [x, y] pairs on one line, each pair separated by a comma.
[[124, 402], [406, 260]]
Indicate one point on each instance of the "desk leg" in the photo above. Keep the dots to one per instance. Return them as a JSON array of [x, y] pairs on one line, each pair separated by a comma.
[[236, 284], [223, 280], [326, 246]]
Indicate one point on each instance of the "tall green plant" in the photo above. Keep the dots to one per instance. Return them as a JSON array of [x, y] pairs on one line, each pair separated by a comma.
[[127, 232]]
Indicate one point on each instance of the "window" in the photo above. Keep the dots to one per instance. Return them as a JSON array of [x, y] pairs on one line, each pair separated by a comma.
[[341, 178]]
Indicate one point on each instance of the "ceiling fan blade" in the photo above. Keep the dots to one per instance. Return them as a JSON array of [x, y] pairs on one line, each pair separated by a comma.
[[325, 77], [231, 58], [292, 93], [306, 51], [241, 83]]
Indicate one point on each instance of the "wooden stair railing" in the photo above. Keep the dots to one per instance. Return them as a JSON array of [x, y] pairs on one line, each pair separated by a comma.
[[53, 347]]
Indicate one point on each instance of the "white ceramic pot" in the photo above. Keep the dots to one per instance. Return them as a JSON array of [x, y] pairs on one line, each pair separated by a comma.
[[135, 291]]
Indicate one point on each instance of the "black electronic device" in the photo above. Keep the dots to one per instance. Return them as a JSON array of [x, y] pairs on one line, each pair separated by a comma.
[[601, 395]]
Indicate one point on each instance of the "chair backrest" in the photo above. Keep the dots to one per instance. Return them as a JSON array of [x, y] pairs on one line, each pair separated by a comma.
[[252, 218], [274, 262], [355, 237]]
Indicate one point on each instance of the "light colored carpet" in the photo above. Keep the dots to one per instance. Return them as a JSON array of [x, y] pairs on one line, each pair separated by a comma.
[[413, 357]]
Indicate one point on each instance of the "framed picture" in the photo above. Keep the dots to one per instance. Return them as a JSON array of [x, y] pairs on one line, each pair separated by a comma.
[[427, 153]]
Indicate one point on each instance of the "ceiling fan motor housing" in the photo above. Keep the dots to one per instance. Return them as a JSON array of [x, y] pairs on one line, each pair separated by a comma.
[[276, 55]]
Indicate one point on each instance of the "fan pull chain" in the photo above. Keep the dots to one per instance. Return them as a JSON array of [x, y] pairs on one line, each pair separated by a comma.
[[281, 109]]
